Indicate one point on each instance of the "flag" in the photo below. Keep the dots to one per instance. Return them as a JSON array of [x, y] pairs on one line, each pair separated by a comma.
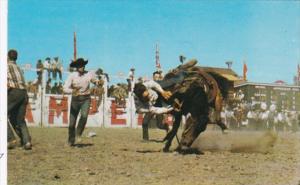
[[245, 70], [75, 49]]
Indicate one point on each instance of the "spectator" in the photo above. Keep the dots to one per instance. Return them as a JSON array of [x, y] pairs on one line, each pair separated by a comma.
[[48, 86], [131, 74], [54, 89], [47, 66], [60, 88], [59, 67], [130, 79], [39, 72], [53, 69]]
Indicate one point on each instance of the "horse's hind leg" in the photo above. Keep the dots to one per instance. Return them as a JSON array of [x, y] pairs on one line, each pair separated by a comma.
[[169, 137], [218, 109]]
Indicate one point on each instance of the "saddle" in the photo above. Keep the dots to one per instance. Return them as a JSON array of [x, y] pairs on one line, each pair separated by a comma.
[[180, 79]]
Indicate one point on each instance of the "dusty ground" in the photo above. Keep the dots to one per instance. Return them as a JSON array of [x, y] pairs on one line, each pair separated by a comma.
[[117, 156]]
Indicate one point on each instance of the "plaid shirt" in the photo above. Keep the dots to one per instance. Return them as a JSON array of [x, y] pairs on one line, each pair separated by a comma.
[[15, 78]]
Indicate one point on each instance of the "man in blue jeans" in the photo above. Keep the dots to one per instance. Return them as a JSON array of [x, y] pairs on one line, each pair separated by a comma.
[[17, 100], [78, 84]]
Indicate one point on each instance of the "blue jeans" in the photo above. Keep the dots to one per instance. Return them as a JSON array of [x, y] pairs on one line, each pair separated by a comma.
[[78, 104]]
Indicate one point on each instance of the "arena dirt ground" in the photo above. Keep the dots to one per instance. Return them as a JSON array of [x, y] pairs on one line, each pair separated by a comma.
[[118, 156]]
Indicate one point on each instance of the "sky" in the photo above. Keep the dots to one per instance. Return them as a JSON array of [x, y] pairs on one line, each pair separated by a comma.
[[118, 35]]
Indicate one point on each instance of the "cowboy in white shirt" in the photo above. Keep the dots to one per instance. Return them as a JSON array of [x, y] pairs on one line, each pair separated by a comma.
[[78, 84]]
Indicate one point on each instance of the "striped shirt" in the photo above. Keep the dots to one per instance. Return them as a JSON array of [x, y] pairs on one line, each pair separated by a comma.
[[15, 77]]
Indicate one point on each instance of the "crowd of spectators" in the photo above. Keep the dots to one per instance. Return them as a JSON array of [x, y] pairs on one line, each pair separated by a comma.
[[53, 67], [258, 115]]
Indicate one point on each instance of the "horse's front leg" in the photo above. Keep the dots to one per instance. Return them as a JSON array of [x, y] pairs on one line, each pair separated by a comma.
[[170, 136]]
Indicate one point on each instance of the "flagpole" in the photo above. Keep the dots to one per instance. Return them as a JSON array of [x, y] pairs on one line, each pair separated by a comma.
[[298, 73], [157, 63], [75, 47], [245, 70]]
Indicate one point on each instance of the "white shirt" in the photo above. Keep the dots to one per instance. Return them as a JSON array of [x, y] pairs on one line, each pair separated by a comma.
[[141, 107], [82, 82], [151, 86], [46, 64]]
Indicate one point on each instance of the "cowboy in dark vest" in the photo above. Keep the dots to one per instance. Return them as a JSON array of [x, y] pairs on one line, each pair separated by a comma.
[[78, 84]]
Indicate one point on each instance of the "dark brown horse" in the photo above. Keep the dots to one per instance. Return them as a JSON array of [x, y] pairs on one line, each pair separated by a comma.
[[198, 91]]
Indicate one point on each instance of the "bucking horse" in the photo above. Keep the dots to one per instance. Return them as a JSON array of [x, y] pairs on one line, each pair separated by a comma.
[[199, 92]]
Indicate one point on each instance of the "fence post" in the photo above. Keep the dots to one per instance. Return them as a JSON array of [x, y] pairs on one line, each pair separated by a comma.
[[43, 93], [104, 99]]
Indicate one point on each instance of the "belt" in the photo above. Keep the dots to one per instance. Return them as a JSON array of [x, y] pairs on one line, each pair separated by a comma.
[[81, 97]]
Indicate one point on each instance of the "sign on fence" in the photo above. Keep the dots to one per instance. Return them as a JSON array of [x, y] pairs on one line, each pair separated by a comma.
[[55, 112]]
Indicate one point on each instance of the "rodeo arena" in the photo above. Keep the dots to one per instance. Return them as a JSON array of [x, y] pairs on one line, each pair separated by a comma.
[[192, 124]]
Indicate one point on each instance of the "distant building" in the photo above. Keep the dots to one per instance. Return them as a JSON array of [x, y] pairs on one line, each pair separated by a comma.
[[228, 74], [282, 95]]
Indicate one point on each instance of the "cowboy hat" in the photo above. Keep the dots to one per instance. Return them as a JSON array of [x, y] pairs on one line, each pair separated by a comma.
[[80, 62]]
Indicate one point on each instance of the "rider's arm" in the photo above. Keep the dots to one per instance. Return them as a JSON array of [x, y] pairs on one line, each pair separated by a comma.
[[146, 107], [154, 110], [160, 110], [154, 85]]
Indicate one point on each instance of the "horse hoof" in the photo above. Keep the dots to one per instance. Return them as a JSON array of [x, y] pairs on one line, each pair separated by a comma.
[[166, 150], [178, 149], [190, 151]]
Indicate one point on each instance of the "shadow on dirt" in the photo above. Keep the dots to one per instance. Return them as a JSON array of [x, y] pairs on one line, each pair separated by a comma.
[[155, 140], [83, 145], [148, 151]]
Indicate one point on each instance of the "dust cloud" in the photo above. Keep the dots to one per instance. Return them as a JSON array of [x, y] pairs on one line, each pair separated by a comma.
[[240, 142]]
